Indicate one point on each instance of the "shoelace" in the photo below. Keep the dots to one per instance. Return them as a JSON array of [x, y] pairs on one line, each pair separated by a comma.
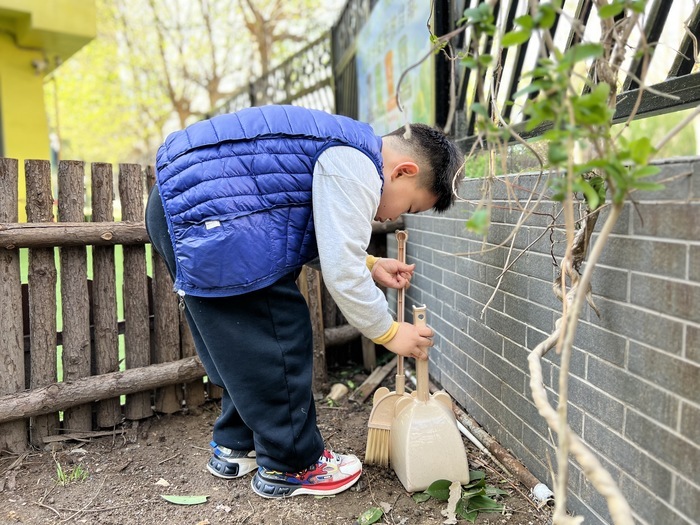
[[301, 473]]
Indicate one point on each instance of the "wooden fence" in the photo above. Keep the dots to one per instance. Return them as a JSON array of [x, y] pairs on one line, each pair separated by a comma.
[[160, 372]]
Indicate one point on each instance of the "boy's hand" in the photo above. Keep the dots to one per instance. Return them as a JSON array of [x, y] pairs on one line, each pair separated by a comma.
[[392, 273], [411, 341]]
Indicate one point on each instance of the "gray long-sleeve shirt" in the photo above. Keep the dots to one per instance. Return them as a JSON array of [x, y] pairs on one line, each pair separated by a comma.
[[345, 194]]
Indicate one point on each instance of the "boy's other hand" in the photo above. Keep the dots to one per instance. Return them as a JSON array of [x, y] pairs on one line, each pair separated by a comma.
[[411, 341], [392, 273]]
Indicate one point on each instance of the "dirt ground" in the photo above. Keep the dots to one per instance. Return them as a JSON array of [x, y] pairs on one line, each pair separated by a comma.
[[126, 474]]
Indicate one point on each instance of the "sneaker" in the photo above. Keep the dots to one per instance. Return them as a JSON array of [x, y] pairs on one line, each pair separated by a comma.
[[331, 474], [229, 464]]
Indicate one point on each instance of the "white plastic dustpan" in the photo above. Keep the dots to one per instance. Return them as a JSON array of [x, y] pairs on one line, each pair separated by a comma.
[[426, 444]]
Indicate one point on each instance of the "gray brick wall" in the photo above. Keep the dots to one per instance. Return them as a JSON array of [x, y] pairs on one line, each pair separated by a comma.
[[635, 371]]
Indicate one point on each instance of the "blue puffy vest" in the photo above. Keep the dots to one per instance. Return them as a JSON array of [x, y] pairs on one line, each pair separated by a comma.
[[237, 194]]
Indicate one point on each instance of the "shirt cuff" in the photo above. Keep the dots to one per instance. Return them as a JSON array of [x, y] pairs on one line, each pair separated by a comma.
[[388, 335]]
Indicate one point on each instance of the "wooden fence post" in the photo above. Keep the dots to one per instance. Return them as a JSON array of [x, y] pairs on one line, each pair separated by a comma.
[[42, 297], [166, 321], [13, 436], [104, 293], [75, 307], [136, 330], [194, 390]]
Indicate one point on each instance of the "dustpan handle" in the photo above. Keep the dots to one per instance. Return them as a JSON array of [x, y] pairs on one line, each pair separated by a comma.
[[401, 238], [422, 377]]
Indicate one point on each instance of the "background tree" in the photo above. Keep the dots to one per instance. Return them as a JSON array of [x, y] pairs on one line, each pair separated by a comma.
[[159, 65]]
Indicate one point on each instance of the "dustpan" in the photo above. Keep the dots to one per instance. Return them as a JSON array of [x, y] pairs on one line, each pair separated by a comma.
[[384, 400], [426, 444]]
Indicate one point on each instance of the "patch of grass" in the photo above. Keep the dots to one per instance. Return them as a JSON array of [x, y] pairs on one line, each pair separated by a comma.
[[65, 476]]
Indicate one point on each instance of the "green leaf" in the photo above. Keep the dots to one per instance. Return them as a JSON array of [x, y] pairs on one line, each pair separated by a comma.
[[598, 184], [525, 21], [611, 10], [470, 62], [645, 171], [557, 153], [530, 88], [514, 38], [490, 490], [478, 223], [464, 513], [581, 52], [371, 515], [440, 489], [485, 60], [647, 186], [480, 109], [599, 94], [591, 195], [640, 150], [478, 15], [471, 492], [638, 6], [476, 475], [546, 16], [484, 504], [184, 500], [421, 497]]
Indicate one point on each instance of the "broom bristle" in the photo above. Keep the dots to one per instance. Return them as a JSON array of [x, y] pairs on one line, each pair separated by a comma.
[[377, 452]]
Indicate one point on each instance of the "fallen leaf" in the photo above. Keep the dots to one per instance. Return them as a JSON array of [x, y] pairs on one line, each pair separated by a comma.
[[371, 515], [185, 500]]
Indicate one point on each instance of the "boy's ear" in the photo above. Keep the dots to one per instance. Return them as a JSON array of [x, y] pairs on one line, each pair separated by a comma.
[[406, 169]]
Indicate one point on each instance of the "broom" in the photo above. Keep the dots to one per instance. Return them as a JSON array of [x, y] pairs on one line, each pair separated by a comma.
[[379, 425]]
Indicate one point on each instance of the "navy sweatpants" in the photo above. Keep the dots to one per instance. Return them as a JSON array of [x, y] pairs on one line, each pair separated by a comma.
[[258, 347]]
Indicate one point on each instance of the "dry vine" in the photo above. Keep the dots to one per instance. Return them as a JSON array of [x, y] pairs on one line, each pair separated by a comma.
[[571, 286]]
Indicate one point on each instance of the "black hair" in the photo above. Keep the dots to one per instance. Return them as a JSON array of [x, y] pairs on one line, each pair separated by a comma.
[[442, 157]]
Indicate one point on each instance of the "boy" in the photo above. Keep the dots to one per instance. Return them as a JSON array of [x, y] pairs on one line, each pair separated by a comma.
[[242, 201]]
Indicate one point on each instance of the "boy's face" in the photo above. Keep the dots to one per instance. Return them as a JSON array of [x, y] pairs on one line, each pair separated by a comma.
[[402, 194]]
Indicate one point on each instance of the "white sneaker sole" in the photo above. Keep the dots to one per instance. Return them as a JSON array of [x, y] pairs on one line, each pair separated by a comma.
[[245, 465], [274, 489]]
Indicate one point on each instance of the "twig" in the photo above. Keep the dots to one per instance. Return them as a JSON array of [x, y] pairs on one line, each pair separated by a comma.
[[168, 459], [87, 504], [678, 127], [48, 507]]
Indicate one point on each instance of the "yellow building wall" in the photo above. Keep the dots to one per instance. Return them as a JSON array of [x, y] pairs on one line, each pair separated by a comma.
[[35, 32]]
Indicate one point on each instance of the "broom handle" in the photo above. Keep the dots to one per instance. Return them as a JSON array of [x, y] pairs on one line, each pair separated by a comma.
[[401, 238], [422, 378]]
